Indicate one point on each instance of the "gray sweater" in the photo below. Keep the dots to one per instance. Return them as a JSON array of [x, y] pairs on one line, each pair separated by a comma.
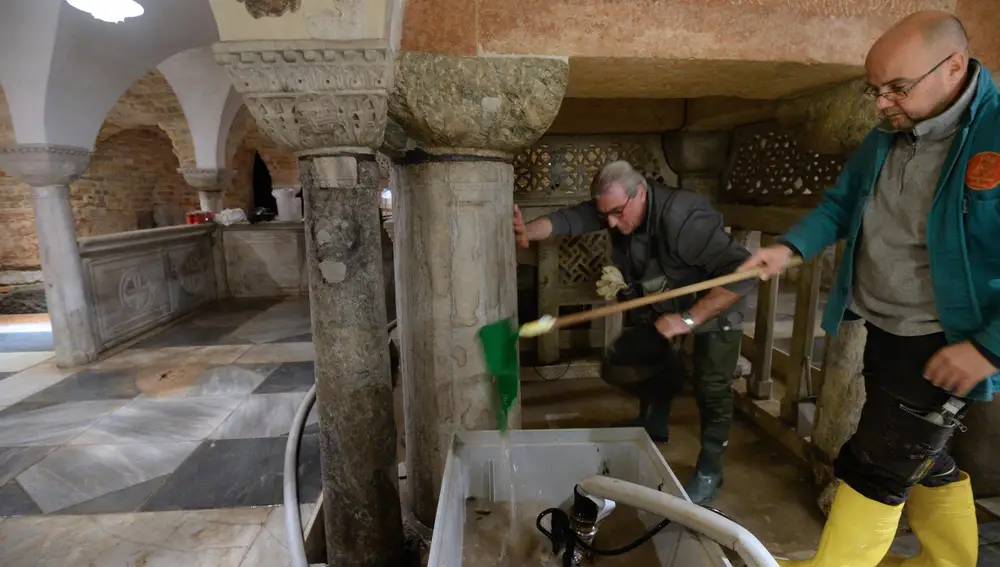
[[892, 281]]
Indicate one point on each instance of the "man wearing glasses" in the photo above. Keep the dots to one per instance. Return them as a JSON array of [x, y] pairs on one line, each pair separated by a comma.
[[919, 207], [664, 238]]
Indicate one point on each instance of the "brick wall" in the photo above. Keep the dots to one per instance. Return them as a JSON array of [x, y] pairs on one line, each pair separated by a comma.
[[132, 179]]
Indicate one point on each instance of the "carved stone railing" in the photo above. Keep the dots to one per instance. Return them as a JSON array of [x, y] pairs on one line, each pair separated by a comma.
[[141, 279], [266, 259]]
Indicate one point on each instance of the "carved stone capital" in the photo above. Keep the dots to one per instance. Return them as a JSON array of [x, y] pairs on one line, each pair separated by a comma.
[[206, 179], [41, 165], [309, 95], [483, 104]]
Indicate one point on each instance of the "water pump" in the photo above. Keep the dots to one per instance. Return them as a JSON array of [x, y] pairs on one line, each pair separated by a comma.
[[573, 533]]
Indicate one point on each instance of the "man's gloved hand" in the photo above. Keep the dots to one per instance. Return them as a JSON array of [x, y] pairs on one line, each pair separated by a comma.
[[610, 283]]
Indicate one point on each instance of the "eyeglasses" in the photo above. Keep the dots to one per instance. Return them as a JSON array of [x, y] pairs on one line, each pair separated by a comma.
[[899, 94], [617, 211]]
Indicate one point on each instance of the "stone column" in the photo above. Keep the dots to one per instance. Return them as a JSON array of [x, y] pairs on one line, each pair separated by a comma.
[[210, 183], [839, 406], [455, 250], [326, 100], [49, 170], [698, 159]]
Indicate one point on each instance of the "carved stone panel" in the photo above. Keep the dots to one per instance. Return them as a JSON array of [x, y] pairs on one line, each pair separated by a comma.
[[130, 294], [581, 258], [266, 262], [767, 167], [561, 168], [192, 275], [140, 279]]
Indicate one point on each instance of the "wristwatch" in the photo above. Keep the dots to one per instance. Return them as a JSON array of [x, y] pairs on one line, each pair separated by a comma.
[[688, 318]]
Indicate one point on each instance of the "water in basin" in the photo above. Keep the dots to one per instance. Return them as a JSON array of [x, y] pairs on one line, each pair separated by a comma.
[[487, 540]]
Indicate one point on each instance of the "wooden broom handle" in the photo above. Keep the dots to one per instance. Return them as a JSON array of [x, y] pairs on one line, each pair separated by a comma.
[[604, 311]]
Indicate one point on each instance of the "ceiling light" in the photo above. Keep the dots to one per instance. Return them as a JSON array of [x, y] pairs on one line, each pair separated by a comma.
[[113, 11]]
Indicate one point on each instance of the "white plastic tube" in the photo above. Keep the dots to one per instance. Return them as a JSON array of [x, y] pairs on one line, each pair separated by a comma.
[[293, 522], [727, 533]]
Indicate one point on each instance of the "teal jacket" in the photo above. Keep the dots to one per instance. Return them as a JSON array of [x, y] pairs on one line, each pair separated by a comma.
[[963, 228]]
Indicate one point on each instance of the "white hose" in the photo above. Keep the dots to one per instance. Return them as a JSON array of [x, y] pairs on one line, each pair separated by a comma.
[[293, 522], [290, 481], [727, 533]]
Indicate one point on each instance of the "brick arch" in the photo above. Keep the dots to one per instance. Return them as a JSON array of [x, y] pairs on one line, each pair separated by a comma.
[[151, 102], [131, 183], [243, 141]]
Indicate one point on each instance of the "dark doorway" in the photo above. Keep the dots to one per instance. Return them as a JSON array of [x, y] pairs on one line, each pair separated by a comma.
[[262, 196]]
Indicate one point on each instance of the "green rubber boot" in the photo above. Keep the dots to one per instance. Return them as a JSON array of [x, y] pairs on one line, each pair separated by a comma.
[[707, 477]]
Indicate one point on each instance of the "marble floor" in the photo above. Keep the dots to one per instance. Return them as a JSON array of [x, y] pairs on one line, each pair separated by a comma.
[[167, 453]]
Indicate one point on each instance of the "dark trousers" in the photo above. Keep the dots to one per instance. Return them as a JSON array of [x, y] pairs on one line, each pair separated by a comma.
[[894, 448], [646, 365]]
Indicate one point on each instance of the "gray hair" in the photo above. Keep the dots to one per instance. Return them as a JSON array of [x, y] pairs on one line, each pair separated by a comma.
[[618, 172]]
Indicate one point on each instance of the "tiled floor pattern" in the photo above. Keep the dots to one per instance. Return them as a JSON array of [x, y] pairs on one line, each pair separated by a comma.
[[167, 425], [169, 453]]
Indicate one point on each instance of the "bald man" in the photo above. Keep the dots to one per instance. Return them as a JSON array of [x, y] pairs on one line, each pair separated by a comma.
[[919, 208]]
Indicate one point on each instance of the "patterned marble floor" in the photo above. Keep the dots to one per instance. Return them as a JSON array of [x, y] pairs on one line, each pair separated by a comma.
[[185, 431]]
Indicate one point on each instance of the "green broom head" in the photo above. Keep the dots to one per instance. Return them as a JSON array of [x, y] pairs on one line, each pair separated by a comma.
[[499, 343]]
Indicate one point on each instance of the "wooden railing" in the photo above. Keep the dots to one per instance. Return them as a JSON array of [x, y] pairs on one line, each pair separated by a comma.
[[780, 381]]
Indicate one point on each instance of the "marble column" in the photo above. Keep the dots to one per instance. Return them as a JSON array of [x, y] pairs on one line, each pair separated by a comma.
[[698, 159], [49, 170], [454, 246], [326, 100], [211, 185]]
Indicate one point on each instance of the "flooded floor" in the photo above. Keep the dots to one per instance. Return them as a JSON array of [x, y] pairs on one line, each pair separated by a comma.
[[489, 541]]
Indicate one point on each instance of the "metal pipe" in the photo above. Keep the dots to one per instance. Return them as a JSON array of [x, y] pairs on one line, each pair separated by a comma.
[[290, 482]]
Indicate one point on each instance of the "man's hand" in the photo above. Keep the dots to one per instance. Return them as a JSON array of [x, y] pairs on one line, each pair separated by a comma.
[[671, 325], [520, 232], [958, 368], [771, 259], [611, 283]]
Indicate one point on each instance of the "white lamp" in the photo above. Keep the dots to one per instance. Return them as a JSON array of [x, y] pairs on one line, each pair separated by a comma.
[[112, 11]]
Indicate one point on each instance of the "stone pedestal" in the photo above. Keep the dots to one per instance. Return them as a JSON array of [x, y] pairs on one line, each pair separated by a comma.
[[210, 183], [327, 101], [839, 406], [454, 245], [49, 170], [698, 158]]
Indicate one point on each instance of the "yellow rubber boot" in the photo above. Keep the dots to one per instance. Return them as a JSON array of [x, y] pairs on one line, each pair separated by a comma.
[[944, 521], [857, 533]]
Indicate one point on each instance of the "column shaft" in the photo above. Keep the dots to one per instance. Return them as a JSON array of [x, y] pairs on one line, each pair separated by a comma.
[[62, 270], [455, 261], [354, 393], [210, 200]]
